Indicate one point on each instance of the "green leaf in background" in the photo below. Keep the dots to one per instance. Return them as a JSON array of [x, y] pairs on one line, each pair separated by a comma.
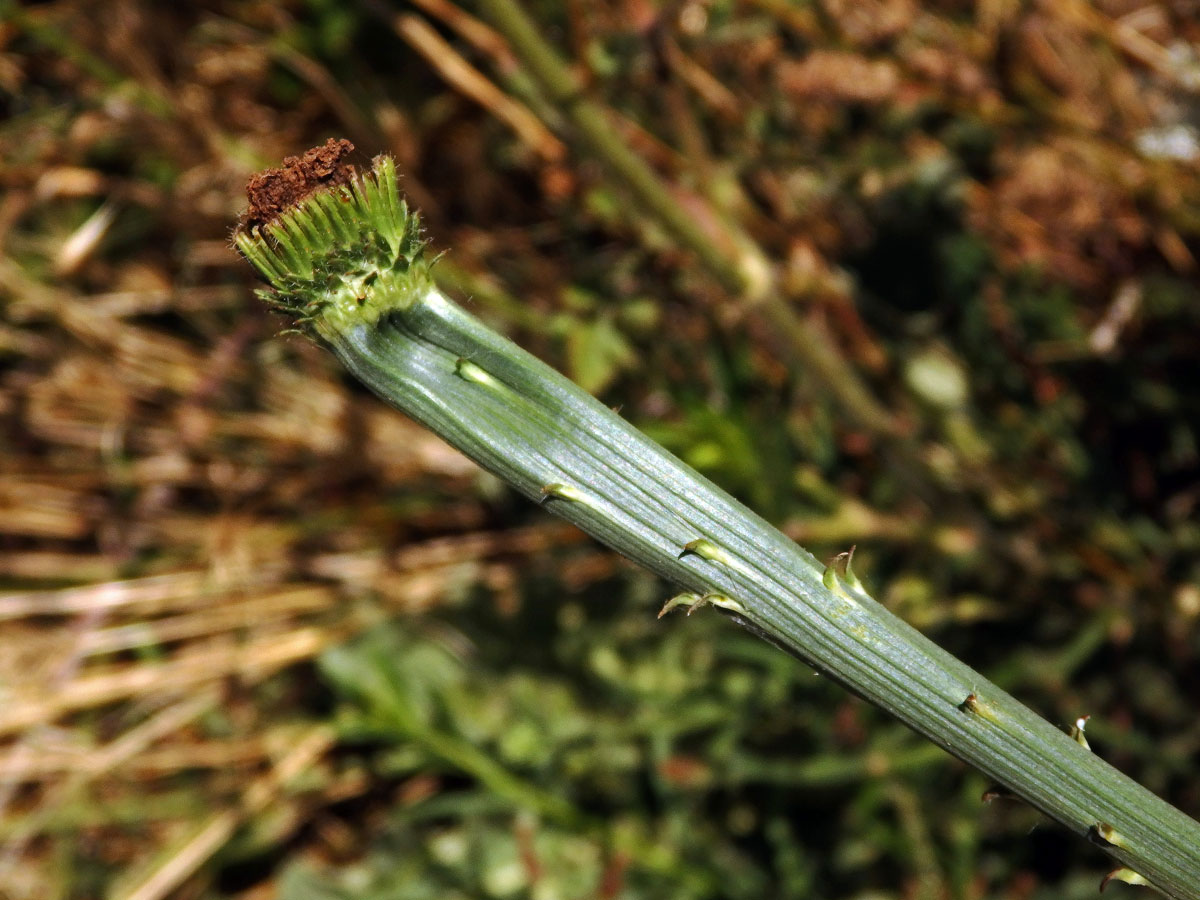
[[597, 353]]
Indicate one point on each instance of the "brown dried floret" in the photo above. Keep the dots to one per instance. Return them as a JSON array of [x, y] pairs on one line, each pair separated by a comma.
[[273, 192]]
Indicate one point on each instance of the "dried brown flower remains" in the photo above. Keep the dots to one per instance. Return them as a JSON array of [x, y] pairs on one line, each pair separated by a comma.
[[274, 191]]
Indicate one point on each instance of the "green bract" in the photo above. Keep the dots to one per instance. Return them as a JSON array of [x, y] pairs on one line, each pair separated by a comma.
[[343, 256], [347, 263]]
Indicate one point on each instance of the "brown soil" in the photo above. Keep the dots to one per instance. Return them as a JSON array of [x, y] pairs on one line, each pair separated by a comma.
[[274, 191]]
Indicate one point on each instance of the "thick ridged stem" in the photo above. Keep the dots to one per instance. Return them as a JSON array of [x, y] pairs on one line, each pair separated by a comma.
[[559, 446]]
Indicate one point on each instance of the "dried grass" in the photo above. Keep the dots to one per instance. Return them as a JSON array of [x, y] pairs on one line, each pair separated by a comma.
[[185, 512]]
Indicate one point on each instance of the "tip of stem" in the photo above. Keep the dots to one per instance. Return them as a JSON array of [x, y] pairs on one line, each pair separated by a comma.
[[337, 248]]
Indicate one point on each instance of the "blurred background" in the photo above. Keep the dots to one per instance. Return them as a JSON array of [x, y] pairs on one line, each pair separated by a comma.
[[919, 277]]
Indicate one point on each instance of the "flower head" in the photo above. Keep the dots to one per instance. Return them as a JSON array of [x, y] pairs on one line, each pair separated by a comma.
[[338, 249]]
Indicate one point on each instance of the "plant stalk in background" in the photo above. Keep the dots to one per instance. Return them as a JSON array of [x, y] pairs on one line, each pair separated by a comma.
[[346, 261]]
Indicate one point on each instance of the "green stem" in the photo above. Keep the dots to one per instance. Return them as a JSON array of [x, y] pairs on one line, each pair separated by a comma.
[[740, 266], [349, 265], [597, 133]]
